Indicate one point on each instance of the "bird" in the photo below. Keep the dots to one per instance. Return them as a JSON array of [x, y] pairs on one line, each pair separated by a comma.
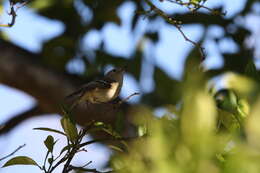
[[100, 91]]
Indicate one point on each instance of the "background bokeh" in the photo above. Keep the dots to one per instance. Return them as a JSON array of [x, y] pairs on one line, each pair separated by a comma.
[[83, 38]]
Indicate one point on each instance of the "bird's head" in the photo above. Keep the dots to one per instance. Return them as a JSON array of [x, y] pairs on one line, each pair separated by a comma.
[[116, 73]]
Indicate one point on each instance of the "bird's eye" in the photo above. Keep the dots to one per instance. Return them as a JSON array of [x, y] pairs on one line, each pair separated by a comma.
[[114, 70]]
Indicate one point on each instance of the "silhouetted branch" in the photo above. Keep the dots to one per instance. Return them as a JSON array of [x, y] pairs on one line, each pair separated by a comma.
[[193, 7], [17, 149], [127, 98], [13, 122], [13, 10], [176, 24]]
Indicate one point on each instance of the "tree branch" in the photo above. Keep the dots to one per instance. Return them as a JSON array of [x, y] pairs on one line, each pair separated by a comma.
[[13, 122], [23, 70], [12, 13], [176, 24]]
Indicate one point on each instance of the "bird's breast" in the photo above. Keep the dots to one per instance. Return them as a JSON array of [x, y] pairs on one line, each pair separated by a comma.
[[104, 95], [111, 93]]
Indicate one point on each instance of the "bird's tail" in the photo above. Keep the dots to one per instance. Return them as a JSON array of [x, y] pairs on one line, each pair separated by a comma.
[[74, 105], [73, 100]]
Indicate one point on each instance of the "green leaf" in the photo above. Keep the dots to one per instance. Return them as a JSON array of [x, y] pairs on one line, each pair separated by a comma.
[[49, 130], [99, 123], [42, 4], [50, 160], [142, 130], [243, 107], [100, 126], [20, 160], [69, 128], [227, 100], [116, 148], [1, 9], [195, 1], [251, 70], [228, 120], [49, 143], [220, 158]]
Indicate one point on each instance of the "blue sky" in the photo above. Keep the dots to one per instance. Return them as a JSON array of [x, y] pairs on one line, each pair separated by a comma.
[[31, 30]]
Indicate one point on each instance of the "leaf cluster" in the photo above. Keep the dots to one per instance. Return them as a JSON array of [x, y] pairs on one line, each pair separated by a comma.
[[74, 145]]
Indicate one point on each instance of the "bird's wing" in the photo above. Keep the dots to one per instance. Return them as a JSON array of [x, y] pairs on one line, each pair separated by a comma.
[[104, 83], [97, 84]]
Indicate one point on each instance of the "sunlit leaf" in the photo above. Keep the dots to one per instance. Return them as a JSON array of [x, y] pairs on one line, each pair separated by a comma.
[[69, 128], [243, 85], [251, 71], [41, 4], [252, 125], [100, 126], [20, 160], [228, 121], [1, 9], [244, 107], [49, 130], [227, 100], [142, 130], [195, 1], [115, 148], [198, 116]]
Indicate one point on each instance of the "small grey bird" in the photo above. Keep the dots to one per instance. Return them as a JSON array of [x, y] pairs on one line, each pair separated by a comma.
[[100, 91]]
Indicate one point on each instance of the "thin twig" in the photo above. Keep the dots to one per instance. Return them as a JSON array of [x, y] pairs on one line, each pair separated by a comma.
[[13, 13], [106, 139], [177, 25], [17, 149], [59, 162], [197, 7], [118, 104], [127, 98], [82, 150], [87, 164], [45, 159], [201, 49]]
